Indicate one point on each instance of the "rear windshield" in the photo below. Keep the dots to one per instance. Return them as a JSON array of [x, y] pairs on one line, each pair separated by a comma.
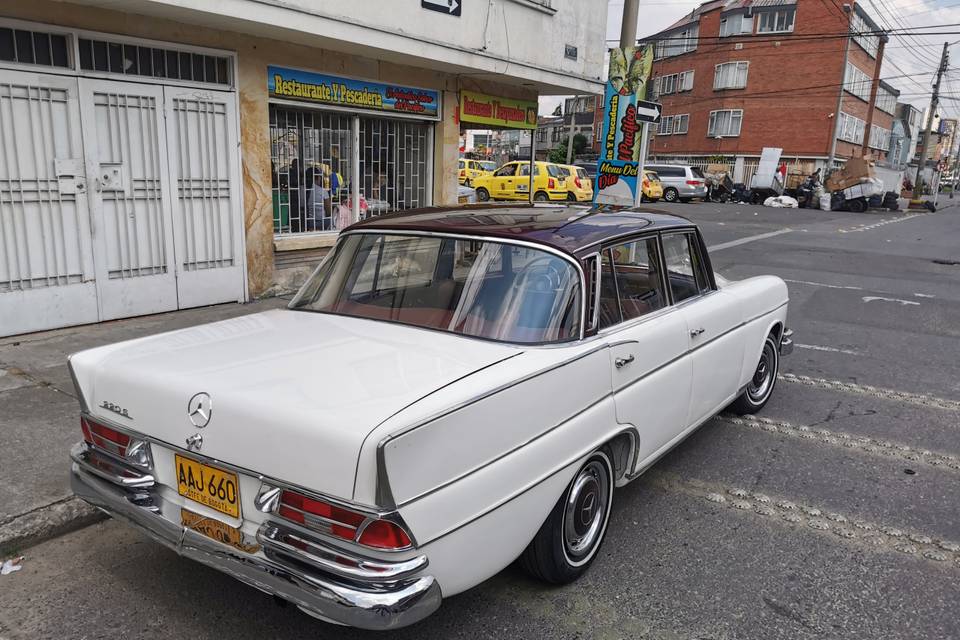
[[652, 175], [696, 172], [491, 290], [581, 173]]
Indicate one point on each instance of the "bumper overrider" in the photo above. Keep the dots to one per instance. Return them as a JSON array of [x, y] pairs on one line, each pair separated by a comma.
[[325, 581], [786, 342]]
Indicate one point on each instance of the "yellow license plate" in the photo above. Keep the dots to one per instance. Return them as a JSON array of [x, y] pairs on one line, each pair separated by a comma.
[[463, 199], [211, 487], [216, 530]]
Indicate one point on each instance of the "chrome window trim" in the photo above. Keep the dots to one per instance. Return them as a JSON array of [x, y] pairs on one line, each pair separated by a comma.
[[594, 320], [508, 241]]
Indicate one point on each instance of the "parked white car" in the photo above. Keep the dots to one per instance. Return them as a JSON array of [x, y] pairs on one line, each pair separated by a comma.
[[450, 391]]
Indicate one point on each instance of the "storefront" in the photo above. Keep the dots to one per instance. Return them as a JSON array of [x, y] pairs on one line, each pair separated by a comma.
[[344, 149]]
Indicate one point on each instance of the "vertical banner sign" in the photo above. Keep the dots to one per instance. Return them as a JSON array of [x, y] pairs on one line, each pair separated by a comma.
[[620, 141]]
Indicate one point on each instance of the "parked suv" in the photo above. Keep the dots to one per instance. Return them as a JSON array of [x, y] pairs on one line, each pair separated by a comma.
[[680, 181]]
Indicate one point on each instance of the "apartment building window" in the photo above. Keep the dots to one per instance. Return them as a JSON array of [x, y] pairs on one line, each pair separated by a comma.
[[665, 128], [685, 81], [735, 25], [886, 101], [681, 123], [731, 75], [725, 122], [851, 128], [879, 138], [668, 84], [862, 35], [677, 43], [776, 21], [541, 135], [674, 83], [857, 82]]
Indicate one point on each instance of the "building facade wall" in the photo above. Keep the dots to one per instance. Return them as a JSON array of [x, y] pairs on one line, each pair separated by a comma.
[[254, 54], [790, 95]]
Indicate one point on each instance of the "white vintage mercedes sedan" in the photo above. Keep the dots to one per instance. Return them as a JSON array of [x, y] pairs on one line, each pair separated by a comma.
[[451, 390]]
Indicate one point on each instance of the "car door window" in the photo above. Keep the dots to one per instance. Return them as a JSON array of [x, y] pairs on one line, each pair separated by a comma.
[[506, 170], [640, 289], [685, 269]]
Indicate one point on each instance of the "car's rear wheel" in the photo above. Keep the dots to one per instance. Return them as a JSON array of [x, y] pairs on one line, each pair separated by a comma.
[[571, 196], [483, 195], [764, 378], [541, 196], [671, 195], [570, 537]]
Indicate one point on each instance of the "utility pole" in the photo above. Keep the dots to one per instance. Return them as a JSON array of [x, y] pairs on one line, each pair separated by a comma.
[[873, 94], [843, 83], [934, 102], [628, 28], [573, 118], [956, 161]]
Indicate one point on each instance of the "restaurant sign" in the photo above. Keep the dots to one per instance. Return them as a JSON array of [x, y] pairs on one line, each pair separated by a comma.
[[494, 111], [318, 88]]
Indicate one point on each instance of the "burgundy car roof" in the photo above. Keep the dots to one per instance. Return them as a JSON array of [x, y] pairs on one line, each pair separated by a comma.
[[569, 228]]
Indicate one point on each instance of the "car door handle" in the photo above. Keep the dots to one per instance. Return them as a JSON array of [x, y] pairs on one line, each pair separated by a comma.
[[620, 363], [696, 332]]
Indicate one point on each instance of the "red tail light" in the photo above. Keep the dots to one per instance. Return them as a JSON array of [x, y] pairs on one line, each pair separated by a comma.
[[695, 183], [646, 183], [104, 437], [576, 181], [383, 534], [341, 522], [551, 184]]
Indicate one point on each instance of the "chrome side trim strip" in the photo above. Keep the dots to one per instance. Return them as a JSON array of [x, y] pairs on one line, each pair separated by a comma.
[[504, 454]]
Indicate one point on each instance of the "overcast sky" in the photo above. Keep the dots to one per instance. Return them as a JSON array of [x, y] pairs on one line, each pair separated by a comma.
[[912, 56]]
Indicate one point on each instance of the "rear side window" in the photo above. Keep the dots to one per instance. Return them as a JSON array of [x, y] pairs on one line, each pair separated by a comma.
[[637, 268], [686, 270], [671, 172], [697, 173]]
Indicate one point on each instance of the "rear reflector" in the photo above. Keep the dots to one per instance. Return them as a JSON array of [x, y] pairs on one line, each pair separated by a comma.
[[383, 534]]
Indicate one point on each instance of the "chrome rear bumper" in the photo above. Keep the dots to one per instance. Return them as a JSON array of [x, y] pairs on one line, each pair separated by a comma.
[[326, 582]]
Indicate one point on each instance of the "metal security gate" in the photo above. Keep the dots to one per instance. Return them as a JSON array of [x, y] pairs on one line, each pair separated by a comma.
[[46, 258], [117, 197], [208, 239], [126, 156]]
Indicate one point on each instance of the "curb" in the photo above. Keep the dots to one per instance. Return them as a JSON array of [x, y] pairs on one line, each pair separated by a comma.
[[43, 523]]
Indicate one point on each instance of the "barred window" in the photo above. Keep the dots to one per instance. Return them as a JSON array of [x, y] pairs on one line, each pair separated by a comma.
[[665, 128], [153, 62], [34, 47]]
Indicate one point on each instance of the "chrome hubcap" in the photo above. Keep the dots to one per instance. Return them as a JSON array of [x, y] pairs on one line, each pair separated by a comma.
[[763, 378], [585, 511]]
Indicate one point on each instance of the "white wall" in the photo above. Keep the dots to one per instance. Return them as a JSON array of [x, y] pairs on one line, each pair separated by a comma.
[[520, 41]]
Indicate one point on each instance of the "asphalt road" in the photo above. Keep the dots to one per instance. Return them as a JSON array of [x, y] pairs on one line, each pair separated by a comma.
[[833, 515]]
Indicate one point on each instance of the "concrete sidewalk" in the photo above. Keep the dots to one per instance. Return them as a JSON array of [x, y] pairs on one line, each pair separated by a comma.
[[39, 418]]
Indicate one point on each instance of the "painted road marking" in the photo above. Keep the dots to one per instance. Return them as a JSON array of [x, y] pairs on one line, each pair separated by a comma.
[[921, 399], [816, 347], [823, 284], [867, 227], [863, 444], [737, 243], [854, 531], [883, 299]]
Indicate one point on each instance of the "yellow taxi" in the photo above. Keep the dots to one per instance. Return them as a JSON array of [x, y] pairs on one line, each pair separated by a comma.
[[578, 184], [471, 169], [512, 182], [652, 188]]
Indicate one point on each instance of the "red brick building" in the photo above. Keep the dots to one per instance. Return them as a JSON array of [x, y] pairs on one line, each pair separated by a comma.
[[735, 76]]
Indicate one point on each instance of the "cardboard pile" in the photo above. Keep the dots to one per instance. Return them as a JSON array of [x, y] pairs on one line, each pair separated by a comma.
[[856, 170]]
